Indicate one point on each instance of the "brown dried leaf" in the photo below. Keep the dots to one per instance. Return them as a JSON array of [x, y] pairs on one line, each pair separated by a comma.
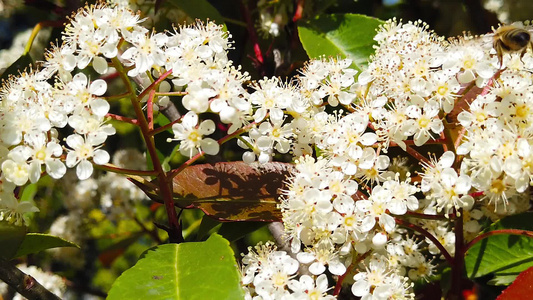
[[233, 191], [228, 191]]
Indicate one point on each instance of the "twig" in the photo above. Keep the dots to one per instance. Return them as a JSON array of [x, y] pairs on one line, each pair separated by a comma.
[[431, 237], [23, 283], [498, 232]]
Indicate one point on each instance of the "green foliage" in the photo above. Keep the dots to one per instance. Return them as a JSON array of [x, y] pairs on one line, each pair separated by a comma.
[[198, 270], [345, 35], [199, 9], [11, 237], [503, 256], [36, 242]]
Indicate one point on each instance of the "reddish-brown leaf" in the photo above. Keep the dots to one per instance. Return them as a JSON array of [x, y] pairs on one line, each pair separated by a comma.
[[521, 288], [228, 191]]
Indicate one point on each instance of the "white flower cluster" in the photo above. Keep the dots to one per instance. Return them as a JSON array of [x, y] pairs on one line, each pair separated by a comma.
[[268, 274], [34, 109], [344, 205], [323, 211]]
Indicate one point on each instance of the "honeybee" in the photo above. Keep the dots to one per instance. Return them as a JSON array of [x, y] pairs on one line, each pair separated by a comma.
[[510, 38]]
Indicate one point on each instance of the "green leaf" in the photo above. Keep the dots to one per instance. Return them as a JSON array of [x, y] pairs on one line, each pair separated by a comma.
[[502, 255], [233, 231], [29, 192], [36, 242], [197, 270], [346, 35], [206, 226], [112, 248], [11, 236], [199, 9], [18, 66]]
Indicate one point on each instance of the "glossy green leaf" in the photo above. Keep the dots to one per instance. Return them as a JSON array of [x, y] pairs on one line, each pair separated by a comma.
[[36, 242], [197, 270], [198, 9], [11, 237], [233, 231], [207, 225], [502, 255], [346, 35]]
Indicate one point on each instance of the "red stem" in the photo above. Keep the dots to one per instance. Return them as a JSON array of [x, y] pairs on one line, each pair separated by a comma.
[[163, 128], [111, 76], [411, 142], [299, 10], [174, 233], [411, 214], [485, 235], [431, 237], [150, 110], [154, 84], [115, 169], [477, 194], [458, 260], [341, 278], [123, 119], [417, 155], [252, 33], [460, 136]]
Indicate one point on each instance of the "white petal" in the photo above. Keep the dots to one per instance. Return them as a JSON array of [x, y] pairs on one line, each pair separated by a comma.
[[360, 288], [100, 65], [84, 170], [387, 222], [75, 141], [447, 159], [322, 282], [305, 257], [210, 146], [100, 107], [55, 168], [71, 160], [100, 157], [336, 267], [317, 268], [34, 171], [207, 127]]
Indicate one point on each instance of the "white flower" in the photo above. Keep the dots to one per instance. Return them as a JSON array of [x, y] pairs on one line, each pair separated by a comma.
[[424, 122], [11, 210], [191, 135], [306, 289], [373, 281], [83, 150], [146, 51], [16, 169]]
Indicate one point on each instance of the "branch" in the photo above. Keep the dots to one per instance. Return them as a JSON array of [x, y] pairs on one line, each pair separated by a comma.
[[498, 232], [341, 278], [278, 231], [426, 233], [417, 155], [24, 284]]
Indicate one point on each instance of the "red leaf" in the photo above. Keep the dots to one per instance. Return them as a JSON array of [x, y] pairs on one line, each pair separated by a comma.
[[521, 288]]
